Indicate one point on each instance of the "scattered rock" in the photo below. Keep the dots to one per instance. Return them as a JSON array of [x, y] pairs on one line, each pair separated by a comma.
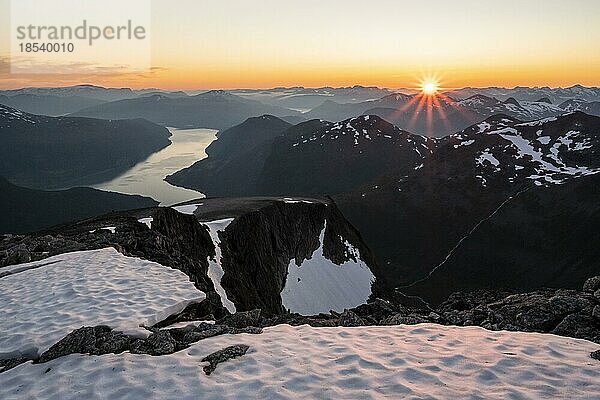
[[579, 325], [349, 318], [96, 340], [223, 355], [204, 331], [402, 319], [596, 312], [15, 255], [10, 363], [592, 284], [242, 319], [161, 343]]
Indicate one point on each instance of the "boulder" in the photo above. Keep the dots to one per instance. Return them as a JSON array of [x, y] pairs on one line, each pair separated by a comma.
[[223, 355], [596, 312], [349, 318], [242, 319], [592, 284], [161, 343], [95, 340], [402, 319]]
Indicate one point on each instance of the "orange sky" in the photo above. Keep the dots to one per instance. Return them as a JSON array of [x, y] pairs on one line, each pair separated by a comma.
[[251, 44]]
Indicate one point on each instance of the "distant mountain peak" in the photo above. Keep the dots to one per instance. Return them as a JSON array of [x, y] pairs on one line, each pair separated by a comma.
[[512, 100], [544, 100], [216, 92]]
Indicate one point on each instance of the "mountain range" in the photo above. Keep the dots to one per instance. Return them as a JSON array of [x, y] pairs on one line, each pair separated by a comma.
[[214, 109], [439, 116], [414, 198]]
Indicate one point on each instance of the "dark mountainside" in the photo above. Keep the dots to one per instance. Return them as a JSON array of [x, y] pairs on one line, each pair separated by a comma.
[[30, 210], [236, 160], [215, 109], [412, 222], [415, 209], [47, 152], [341, 157], [547, 236]]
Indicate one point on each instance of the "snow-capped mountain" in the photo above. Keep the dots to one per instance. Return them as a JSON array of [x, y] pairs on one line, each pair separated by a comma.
[[342, 157], [591, 107], [84, 91], [468, 178], [544, 151], [442, 115], [11, 117], [555, 95], [524, 110]]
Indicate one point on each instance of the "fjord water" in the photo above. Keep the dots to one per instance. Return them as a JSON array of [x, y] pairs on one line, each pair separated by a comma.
[[146, 178]]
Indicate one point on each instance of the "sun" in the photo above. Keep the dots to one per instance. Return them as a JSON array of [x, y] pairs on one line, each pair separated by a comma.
[[429, 87]]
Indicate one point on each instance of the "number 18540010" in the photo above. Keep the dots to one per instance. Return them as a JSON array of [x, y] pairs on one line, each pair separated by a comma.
[[46, 47]]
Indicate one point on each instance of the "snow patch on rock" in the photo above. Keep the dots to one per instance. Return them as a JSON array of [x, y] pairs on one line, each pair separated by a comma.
[[318, 285], [215, 269]]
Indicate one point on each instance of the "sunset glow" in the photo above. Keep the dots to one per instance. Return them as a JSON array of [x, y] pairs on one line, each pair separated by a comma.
[[235, 44], [429, 87]]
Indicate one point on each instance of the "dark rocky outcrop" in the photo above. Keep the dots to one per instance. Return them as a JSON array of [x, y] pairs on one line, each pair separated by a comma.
[[266, 234], [223, 355], [282, 232], [349, 318], [96, 340], [242, 319], [592, 285], [9, 363]]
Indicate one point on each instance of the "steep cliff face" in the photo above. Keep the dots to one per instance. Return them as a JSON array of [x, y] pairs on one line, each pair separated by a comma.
[[276, 242], [241, 252]]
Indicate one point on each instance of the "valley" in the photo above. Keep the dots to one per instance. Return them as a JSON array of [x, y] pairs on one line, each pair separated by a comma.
[[146, 178]]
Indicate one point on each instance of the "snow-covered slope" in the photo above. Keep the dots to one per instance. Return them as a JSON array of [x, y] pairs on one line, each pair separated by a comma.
[[41, 302], [215, 269], [548, 150], [421, 361], [318, 285], [524, 110]]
